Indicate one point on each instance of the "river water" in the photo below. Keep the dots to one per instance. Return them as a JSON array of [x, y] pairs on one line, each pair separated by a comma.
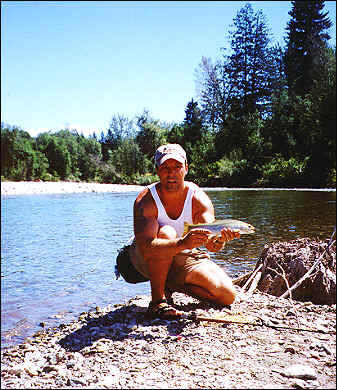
[[58, 251]]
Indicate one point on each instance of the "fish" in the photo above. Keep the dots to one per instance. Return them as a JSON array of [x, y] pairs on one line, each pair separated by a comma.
[[216, 226]]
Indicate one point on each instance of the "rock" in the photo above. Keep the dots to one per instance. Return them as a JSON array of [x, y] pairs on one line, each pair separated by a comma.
[[15, 370], [31, 369], [299, 384], [108, 382], [299, 371], [289, 348]]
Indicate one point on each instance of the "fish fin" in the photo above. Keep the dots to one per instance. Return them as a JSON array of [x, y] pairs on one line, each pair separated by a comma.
[[185, 228], [214, 236]]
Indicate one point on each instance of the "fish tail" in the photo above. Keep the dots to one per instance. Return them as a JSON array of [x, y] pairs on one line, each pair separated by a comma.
[[185, 228]]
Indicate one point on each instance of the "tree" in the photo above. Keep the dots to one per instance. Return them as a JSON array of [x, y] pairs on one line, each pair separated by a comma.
[[55, 149], [193, 123], [214, 90], [306, 41], [120, 128], [19, 159], [176, 134], [151, 134], [240, 82], [249, 67], [128, 160], [89, 157]]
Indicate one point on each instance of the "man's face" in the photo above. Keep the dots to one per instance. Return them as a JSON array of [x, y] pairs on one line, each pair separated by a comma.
[[172, 174]]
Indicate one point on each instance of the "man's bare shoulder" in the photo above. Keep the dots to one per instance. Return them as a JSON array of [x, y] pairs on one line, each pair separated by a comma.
[[144, 204], [192, 186], [202, 207], [199, 195]]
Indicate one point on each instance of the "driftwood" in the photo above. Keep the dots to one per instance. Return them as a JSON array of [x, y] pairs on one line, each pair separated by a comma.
[[254, 284], [242, 278], [308, 270], [299, 282], [250, 279]]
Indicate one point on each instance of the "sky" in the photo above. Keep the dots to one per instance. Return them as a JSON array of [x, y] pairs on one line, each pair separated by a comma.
[[75, 65]]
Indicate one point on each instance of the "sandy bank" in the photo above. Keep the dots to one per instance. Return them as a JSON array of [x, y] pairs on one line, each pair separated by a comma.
[[62, 187]]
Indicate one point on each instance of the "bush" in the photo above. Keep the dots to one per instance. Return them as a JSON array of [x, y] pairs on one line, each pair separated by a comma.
[[107, 174], [230, 172], [332, 179], [143, 180], [280, 172]]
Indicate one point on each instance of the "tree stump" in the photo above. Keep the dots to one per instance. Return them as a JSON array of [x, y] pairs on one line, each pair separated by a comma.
[[291, 260]]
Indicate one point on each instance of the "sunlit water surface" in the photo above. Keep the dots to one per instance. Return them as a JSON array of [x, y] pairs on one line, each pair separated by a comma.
[[58, 251]]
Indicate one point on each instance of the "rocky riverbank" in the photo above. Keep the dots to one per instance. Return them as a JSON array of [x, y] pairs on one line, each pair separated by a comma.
[[61, 187], [283, 344]]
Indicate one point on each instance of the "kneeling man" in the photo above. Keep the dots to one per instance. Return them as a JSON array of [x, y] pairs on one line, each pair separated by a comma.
[[161, 253]]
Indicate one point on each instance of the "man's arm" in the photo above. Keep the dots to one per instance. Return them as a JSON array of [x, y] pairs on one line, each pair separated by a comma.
[[204, 213], [202, 206]]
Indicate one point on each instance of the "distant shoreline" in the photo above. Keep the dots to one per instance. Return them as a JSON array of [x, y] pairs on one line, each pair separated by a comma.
[[61, 187], [68, 187]]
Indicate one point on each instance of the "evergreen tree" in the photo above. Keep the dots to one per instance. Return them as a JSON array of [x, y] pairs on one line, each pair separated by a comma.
[[243, 81], [250, 68], [306, 41], [193, 126]]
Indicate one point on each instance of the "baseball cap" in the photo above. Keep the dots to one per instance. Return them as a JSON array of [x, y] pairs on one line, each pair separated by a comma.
[[168, 151]]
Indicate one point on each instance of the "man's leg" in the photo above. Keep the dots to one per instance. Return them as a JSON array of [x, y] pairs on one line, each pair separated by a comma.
[[209, 281], [159, 266]]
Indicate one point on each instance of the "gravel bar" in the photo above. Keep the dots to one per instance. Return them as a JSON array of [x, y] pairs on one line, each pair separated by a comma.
[[61, 187], [285, 345]]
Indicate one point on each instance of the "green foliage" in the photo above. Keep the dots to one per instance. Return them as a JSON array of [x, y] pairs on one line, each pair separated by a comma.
[[108, 174], [250, 67], [128, 159], [193, 124], [143, 180], [19, 159], [176, 135], [306, 41], [151, 134], [120, 128], [230, 173], [280, 172], [332, 178]]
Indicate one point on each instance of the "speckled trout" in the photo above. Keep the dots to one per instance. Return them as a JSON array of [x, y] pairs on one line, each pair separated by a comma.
[[217, 226]]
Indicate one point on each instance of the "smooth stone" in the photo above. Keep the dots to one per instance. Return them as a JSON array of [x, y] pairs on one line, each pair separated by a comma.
[[300, 371]]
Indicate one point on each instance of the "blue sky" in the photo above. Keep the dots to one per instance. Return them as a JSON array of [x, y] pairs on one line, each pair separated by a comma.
[[76, 64]]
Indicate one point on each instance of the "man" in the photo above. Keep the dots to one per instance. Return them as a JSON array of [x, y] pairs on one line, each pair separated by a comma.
[[160, 253]]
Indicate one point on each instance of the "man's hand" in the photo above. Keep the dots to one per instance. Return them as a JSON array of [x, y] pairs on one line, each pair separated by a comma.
[[195, 238], [216, 243], [228, 234]]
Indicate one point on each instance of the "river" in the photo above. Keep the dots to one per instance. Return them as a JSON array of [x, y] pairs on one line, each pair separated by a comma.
[[58, 251]]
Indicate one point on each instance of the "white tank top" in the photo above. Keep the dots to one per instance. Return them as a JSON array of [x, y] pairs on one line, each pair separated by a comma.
[[164, 219]]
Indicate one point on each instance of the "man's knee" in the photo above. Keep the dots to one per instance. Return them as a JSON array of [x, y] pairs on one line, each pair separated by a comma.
[[167, 232], [215, 281], [226, 295]]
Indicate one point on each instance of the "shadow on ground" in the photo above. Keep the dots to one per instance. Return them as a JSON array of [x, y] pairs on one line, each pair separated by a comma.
[[127, 321]]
